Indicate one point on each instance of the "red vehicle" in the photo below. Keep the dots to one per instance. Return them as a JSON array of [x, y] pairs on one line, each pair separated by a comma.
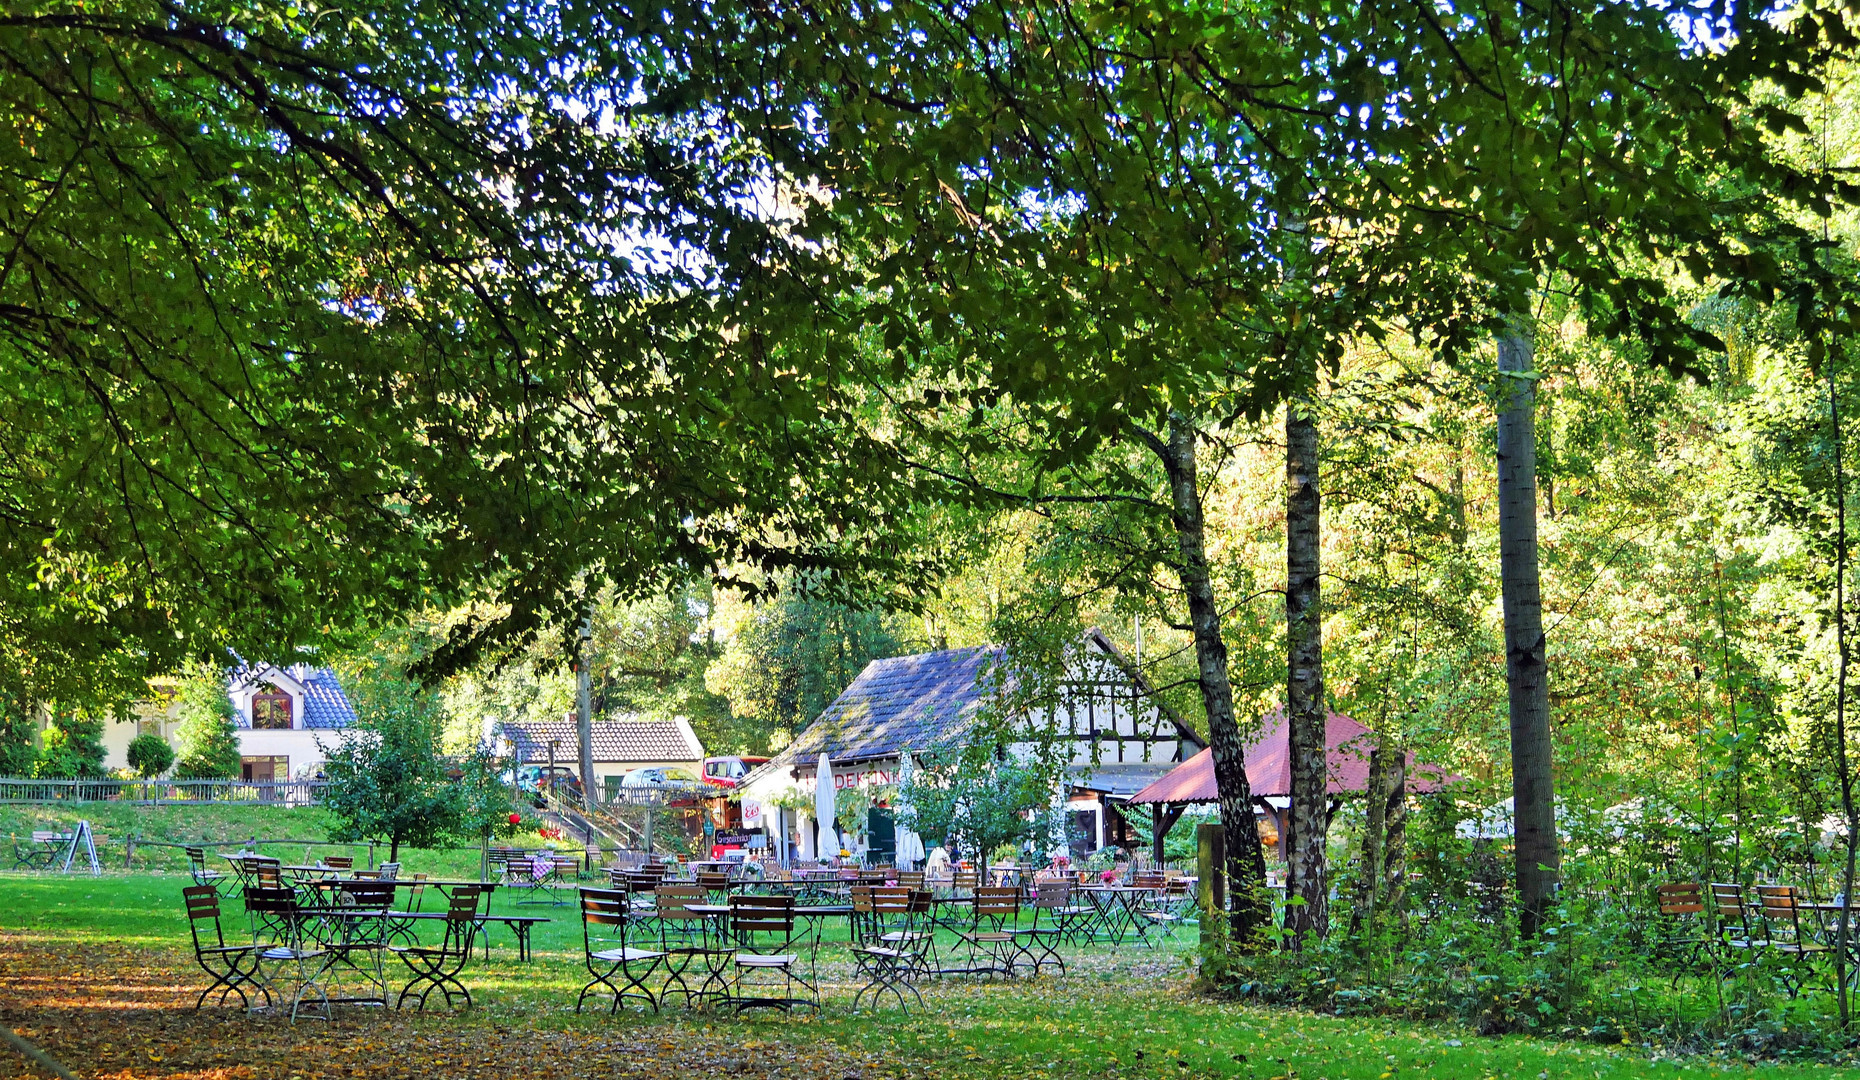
[[728, 771]]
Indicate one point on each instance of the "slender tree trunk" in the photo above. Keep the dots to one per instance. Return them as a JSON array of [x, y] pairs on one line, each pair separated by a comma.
[[1533, 788], [1308, 915], [1375, 825], [1246, 863], [584, 712], [1848, 810], [1395, 830]]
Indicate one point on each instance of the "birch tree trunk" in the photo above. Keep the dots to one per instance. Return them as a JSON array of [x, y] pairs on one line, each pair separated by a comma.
[[1395, 831], [1532, 784], [584, 710], [1308, 916], [1245, 861]]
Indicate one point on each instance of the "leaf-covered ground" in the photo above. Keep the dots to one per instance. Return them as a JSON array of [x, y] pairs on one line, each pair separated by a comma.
[[95, 971]]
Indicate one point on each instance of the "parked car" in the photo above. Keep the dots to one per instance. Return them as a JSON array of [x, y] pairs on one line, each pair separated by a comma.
[[728, 771], [536, 779], [660, 776]]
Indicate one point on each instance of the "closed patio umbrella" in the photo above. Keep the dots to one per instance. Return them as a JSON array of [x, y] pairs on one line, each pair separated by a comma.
[[910, 845], [823, 808]]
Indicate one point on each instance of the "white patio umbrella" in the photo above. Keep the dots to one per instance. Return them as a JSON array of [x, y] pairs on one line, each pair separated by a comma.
[[910, 845], [1056, 823], [823, 808]]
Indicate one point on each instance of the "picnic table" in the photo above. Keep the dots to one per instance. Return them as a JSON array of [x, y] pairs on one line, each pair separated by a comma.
[[542, 873], [41, 851]]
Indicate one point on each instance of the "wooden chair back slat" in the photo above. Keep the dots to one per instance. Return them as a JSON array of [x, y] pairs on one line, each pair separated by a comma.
[[994, 901], [605, 907], [203, 902], [1681, 898], [762, 915]]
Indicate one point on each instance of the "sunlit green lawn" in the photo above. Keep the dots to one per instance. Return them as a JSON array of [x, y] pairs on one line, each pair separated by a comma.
[[1120, 1010]]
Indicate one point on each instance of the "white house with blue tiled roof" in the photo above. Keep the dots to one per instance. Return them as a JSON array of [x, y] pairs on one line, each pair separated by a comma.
[[281, 713]]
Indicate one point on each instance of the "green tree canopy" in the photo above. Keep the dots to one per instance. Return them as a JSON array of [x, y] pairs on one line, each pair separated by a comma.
[[313, 313], [72, 747], [979, 798], [388, 780], [208, 733], [786, 659]]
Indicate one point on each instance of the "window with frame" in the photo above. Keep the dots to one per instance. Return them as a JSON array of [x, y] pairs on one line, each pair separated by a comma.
[[271, 711]]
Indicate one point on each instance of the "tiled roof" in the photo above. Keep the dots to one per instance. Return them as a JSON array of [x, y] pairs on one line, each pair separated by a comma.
[[614, 740], [326, 707], [919, 702], [1269, 765]]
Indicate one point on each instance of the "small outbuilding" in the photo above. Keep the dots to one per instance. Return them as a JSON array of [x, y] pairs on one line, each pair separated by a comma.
[[620, 746], [1348, 746]]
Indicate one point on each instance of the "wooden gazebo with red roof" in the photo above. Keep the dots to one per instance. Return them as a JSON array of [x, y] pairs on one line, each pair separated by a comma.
[[1348, 745]]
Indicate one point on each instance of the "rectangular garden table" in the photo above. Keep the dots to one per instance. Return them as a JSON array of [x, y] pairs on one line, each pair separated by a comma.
[[1115, 912]]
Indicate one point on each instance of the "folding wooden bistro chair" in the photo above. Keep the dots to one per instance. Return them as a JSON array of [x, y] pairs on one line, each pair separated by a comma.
[[767, 940], [276, 915], [1797, 948], [1679, 935], [1055, 918], [993, 932], [896, 946], [688, 937], [607, 953], [438, 967], [232, 967]]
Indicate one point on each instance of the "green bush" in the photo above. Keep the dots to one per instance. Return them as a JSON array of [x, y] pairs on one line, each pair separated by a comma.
[[150, 755], [72, 749]]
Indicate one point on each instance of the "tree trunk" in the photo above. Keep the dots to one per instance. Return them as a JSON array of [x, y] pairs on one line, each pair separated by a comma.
[[1533, 788], [1308, 913], [584, 712], [1375, 827], [1849, 811], [1245, 862], [1395, 832]]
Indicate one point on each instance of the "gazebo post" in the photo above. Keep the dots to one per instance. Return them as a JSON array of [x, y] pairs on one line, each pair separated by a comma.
[[1162, 819]]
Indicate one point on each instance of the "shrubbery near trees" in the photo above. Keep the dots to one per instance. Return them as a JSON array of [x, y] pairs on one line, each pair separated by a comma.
[[208, 731]]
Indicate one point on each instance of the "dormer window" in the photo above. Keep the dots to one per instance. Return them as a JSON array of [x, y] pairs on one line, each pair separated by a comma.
[[271, 711]]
